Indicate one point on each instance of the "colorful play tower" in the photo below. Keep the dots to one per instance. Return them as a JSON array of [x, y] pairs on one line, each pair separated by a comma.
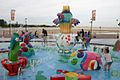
[[66, 40], [14, 64]]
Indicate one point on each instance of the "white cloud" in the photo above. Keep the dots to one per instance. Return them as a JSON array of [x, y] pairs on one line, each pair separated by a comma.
[[44, 11]]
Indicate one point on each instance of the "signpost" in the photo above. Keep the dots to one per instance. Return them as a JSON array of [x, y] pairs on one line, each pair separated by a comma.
[[93, 19], [25, 24], [12, 14]]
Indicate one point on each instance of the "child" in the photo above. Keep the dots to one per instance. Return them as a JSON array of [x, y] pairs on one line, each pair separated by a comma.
[[108, 58], [26, 39]]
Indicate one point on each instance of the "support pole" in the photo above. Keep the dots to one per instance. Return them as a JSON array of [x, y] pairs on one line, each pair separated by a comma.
[[91, 22], [91, 26], [9, 27], [25, 24]]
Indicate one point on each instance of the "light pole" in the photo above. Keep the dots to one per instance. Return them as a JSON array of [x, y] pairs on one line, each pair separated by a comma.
[[25, 24], [100, 29], [9, 27], [92, 19], [91, 22], [91, 28]]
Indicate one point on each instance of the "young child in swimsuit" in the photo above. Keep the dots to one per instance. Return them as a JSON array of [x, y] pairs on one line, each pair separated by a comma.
[[108, 58]]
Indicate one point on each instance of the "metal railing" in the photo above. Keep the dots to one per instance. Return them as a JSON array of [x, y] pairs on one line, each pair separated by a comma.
[[4, 32]]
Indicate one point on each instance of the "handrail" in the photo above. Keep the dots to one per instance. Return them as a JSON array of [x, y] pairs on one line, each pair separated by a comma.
[[4, 51]]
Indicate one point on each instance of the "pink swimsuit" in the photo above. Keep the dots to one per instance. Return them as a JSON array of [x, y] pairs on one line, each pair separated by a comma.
[[108, 57]]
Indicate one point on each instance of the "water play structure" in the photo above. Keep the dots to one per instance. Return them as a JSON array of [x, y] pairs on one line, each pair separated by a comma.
[[67, 75], [85, 60], [66, 40], [86, 40], [14, 64], [26, 47]]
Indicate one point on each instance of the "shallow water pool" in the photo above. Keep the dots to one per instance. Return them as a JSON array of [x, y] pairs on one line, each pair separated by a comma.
[[47, 60]]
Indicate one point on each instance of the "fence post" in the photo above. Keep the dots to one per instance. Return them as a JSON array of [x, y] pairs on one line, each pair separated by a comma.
[[3, 34], [118, 35]]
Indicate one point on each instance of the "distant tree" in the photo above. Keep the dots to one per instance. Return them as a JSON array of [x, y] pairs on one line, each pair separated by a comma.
[[3, 23], [43, 25], [53, 25], [16, 24]]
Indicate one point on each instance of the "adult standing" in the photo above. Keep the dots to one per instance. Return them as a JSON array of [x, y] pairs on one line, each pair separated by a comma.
[[82, 32], [44, 32], [36, 34], [44, 35]]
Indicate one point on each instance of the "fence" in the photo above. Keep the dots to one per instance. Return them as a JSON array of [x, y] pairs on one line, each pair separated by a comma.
[[98, 32]]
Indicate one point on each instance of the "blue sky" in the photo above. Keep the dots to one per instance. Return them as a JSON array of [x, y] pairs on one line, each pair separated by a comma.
[[45, 11]]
